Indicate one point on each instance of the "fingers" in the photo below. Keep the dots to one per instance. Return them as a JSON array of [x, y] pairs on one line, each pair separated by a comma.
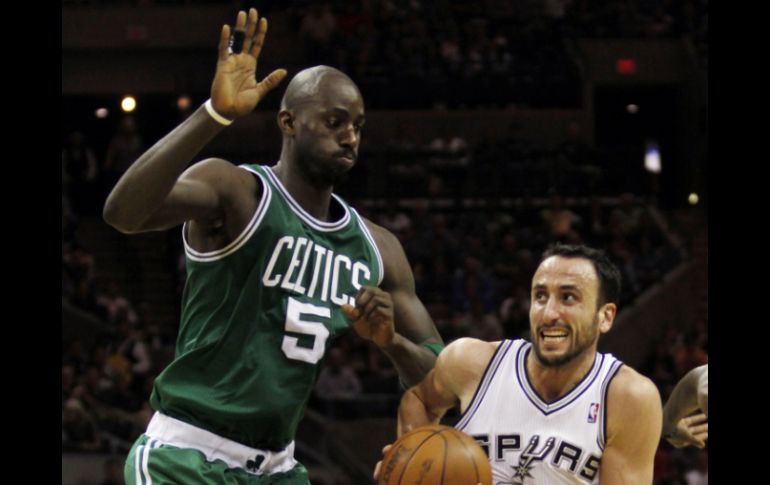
[[371, 300], [256, 48], [695, 419], [272, 80], [251, 26], [239, 33], [350, 312], [377, 467], [248, 36], [224, 43], [240, 21]]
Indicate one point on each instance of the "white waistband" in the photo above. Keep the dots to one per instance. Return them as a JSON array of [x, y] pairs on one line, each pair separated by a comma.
[[177, 433]]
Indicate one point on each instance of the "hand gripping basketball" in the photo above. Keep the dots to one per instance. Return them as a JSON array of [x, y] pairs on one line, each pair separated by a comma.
[[434, 455]]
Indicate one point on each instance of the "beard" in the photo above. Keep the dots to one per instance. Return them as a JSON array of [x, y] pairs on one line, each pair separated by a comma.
[[580, 346]]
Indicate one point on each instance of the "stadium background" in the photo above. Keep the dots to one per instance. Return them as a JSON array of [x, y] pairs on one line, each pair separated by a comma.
[[494, 128]]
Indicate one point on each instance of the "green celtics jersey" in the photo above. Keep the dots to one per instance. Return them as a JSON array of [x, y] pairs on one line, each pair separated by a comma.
[[258, 316]]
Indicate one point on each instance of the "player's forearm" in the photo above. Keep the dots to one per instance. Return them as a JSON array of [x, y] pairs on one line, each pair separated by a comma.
[[412, 412], [148, 181], [412, 361], [681, 402]]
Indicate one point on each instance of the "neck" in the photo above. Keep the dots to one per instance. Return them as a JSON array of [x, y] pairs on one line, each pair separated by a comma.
[[553, 382], [315, 198]]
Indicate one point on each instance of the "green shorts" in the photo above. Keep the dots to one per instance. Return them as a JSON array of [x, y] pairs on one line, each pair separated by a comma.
[[154, 460]]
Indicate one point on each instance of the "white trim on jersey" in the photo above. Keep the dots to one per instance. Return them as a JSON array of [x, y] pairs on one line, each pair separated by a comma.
[[564, 401], [486, 380], [316, 224], [601, 439], [370, 238], [243, 237]]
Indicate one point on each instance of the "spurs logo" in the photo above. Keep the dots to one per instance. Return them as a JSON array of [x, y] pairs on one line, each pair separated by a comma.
[[529, 456]]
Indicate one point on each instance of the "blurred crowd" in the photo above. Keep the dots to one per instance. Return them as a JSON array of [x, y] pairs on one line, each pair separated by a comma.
[[472, 265]]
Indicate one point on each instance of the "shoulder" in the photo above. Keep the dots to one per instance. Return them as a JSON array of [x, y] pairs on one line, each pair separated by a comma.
[[632, 388], [462, 363], [223, 176], [386, 240], [467, 354], [632, 396], [398, 272]]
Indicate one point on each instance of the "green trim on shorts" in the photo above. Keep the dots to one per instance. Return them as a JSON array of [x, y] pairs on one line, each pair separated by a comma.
[[151, 462]]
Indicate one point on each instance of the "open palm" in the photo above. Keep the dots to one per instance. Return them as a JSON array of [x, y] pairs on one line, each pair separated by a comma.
[[235, 91]]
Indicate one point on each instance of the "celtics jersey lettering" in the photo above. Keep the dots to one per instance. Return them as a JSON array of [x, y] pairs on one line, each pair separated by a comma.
[[259, 314]]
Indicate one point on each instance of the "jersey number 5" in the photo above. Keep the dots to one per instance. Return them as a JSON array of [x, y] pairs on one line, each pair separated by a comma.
[[295, 310]]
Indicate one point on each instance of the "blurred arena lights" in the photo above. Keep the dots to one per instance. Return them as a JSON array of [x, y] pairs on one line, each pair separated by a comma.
[[652, 162], [183, 103], [693, 198], [632, 108], [128, 104], [102, 113]]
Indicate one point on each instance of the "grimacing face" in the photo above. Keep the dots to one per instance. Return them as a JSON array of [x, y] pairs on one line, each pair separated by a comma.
[[565, 320], [328, 131]]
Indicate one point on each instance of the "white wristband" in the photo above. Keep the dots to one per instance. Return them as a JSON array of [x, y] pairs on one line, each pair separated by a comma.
[[221, 119]]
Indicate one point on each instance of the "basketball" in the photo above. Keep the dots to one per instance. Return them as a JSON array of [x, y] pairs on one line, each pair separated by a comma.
[[435, 455]]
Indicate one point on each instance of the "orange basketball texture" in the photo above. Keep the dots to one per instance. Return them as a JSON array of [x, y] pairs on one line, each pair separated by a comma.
[[435, 455]]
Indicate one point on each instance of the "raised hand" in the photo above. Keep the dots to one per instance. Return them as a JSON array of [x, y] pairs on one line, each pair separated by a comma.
[[235, 91], [372, 316]]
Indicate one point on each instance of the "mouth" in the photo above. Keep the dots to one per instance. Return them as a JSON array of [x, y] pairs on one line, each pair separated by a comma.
[[346, 157], [553, 337]]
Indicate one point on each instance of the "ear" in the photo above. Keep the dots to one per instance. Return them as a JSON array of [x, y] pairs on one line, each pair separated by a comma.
[[286, 122], [607, 316]]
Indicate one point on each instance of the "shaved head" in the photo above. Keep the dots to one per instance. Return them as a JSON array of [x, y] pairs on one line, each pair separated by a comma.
[[322, 112], [308, 83]]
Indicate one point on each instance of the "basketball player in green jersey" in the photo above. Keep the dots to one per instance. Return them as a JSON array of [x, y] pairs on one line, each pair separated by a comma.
[[276, 267]]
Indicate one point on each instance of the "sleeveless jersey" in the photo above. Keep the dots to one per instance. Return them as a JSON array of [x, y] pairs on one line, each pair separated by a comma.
[[530, 441], [258, 316]]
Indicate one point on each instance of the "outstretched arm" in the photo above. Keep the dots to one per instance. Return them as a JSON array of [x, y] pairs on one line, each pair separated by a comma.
[[393, 317], [151, 194], [689, 395]]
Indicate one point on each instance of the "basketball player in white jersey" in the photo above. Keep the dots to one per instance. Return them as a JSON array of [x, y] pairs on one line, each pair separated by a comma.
[[553, 410]]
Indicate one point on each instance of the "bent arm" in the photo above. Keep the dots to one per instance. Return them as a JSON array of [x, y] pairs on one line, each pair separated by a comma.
[[689, 395], [153, 183], [633, 429], [413, 325], [684, 398], [151, 194], [454, 379]]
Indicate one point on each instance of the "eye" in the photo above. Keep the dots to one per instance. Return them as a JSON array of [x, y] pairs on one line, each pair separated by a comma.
[[539, 296], [569, 297], [333, 122]]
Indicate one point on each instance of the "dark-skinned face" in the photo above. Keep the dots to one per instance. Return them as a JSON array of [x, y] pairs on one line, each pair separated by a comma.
[[328, 131]]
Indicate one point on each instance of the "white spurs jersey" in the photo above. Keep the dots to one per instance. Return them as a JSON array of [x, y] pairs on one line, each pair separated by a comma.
[[530, 441]]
